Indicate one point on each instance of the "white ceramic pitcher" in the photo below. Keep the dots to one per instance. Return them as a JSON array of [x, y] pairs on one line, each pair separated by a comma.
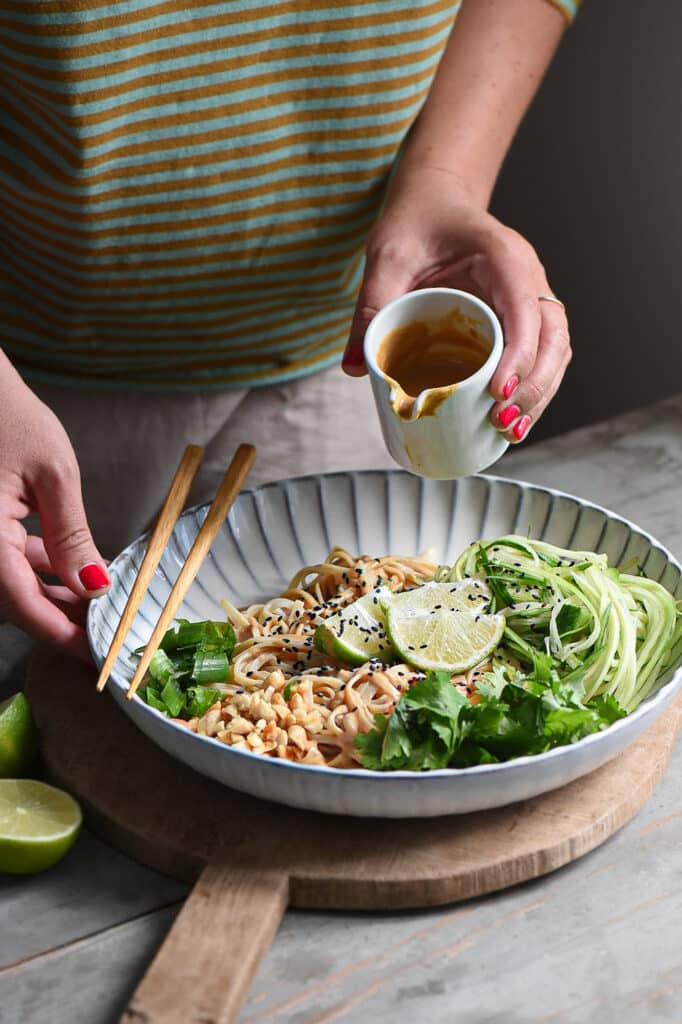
[[446, 433]]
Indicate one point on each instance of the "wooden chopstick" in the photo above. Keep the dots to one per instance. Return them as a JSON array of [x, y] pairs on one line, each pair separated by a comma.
[[227, 492], [168, 516]]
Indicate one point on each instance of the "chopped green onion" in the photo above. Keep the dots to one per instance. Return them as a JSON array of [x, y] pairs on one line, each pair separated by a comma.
[[153, 698], [287, 691], [173, 697], [190, 655], [200, 699], [161, 668], [211, 667]]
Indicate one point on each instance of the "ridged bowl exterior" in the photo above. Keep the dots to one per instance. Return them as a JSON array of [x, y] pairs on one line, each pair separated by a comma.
[[274, 530]]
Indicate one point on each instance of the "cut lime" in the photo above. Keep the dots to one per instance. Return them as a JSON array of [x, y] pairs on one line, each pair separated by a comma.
[[443, 625], [357, 632], [38, 824], [17, 736]]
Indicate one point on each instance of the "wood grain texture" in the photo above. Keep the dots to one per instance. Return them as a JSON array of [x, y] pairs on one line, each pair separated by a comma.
[[202, 972], [163, 528], [169, 817], [230, 487]]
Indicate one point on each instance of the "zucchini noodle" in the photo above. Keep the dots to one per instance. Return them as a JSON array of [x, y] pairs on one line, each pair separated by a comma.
[[627, 623]]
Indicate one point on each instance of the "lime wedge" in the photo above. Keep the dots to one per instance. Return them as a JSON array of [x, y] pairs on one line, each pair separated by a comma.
[[357, 632], [17, 736], [38, 824], [443, 625]]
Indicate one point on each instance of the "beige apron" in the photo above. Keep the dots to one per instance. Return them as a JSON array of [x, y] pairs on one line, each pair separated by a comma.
[[128, 444]]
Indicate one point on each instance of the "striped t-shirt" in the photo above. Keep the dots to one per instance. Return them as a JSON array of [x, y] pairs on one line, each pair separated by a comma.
[[186, 185]]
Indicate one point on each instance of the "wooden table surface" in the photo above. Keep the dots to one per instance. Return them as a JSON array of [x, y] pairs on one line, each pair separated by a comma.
[[596, 941]]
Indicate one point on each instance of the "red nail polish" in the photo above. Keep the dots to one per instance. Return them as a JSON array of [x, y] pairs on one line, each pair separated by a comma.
[[509, 413], [354, 356], [521, 427], [510, 387], [93, 577]]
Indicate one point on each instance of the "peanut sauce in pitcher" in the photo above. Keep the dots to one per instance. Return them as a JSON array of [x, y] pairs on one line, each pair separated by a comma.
[[432, 355]]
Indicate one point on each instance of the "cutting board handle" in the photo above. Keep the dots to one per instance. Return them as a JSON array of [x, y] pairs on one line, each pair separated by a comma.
[[204, 968]]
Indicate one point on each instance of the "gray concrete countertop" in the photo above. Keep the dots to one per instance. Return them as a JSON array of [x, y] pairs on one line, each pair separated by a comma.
[[598, 940]]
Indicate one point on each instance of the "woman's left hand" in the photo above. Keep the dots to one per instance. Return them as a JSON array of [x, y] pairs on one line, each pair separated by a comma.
[[432, 233]]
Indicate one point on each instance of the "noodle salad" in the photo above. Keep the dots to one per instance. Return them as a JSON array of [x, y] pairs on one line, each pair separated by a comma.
[[398, 663]]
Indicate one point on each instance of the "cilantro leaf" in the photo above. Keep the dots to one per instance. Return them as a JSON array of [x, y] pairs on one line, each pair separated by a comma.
[[435, 726], [608, 708], [436, 695], [173, 697], [370, 743], [572, 619], [200, 699]]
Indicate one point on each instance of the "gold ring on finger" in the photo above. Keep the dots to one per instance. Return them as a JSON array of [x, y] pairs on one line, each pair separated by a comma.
[[551, 298]]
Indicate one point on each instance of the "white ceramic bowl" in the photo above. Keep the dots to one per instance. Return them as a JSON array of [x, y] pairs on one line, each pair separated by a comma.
[[274, 530]]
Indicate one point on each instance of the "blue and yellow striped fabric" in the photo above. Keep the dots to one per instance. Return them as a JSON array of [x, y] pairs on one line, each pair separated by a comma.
[[186, 185]]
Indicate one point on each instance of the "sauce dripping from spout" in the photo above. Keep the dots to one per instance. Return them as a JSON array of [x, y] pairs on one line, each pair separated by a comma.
[[430, 358]]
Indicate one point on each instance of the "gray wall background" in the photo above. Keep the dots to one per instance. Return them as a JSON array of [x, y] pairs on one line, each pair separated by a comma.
[[594, 181]]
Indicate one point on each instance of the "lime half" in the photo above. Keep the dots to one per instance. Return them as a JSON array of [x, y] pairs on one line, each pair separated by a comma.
[[443, 625], [38, 825], [17, 736], [357, 632]]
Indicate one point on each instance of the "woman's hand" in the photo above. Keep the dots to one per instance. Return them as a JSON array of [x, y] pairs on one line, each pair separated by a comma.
[[434, 228], [39, 474], [431, 233]]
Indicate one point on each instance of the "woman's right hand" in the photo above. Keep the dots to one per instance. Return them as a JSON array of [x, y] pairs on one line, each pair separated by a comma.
[[39, 474]]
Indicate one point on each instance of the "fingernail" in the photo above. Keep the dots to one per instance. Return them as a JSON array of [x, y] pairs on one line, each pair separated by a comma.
[[93, 577], [510, 387], [521, 427], [509, 413], [354, 356]]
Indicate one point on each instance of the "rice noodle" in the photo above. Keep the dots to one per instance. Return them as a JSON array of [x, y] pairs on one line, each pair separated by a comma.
[[285, 698]]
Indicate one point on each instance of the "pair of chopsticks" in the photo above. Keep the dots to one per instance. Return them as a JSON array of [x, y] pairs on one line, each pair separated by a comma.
[[172, 507]]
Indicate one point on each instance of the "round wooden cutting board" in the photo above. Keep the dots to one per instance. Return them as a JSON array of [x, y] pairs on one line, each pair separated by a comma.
[[250, 859]]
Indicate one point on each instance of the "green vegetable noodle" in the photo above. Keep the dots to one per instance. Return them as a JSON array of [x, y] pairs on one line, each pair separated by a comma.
[[583, 645], [612, 630]]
